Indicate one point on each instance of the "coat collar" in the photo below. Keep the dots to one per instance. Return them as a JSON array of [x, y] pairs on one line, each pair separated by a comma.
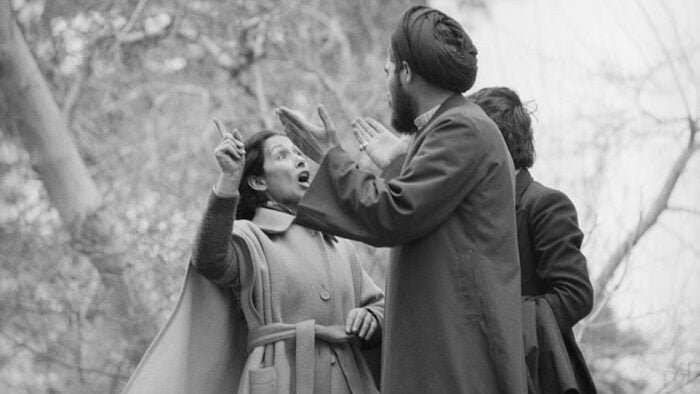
[[451, 102], [272, 221], [522, 181], [425, 117]]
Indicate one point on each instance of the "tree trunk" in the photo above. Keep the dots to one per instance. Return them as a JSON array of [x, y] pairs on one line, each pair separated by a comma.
[[54, 156], [649, 218], [646, 222]]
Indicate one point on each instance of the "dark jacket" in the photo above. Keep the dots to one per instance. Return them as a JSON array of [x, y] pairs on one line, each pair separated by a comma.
[[553, 269], [453, 310]]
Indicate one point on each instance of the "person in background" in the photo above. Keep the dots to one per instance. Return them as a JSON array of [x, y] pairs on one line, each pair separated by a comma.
[[555, 283]]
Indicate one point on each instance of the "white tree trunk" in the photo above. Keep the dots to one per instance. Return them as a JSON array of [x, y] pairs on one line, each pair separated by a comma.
[[71, 189]]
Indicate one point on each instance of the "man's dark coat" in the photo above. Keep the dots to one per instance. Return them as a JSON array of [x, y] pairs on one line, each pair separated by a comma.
[[453, 309], [556, 287]]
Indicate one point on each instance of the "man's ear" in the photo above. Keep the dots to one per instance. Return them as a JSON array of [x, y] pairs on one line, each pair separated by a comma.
[[257, 183], [406, 73]]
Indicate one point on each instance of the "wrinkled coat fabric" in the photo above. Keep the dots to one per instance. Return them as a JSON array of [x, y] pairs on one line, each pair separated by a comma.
[[205, 326], [554, 273], [453, 309], [289, 342]]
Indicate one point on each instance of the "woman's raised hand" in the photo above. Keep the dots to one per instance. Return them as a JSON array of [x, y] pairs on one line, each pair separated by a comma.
[[378, 142], [230, 155], [314, 141]]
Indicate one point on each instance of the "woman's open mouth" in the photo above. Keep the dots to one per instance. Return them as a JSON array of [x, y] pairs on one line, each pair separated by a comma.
[[304, 178]]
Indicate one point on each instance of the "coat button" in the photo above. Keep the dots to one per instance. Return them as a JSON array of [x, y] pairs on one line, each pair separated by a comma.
[[333, 360], [325, 295]]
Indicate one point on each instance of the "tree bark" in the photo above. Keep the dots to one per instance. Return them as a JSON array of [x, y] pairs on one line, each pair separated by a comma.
[[54, 156]]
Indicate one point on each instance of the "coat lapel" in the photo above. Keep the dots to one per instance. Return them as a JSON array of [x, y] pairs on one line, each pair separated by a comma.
[[522, 181], [451, 102], [272, 221]]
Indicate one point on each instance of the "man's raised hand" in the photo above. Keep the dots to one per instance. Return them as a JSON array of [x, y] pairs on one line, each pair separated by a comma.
[[380, 144], [314, 141]]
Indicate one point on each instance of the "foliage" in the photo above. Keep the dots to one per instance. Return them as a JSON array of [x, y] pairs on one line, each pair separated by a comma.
[[139, 82]]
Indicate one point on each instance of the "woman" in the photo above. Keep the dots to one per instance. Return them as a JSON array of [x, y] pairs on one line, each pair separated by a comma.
[[307, 304]]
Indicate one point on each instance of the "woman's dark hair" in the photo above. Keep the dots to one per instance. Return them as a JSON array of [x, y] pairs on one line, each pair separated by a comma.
[[254, 160], [504, 107]]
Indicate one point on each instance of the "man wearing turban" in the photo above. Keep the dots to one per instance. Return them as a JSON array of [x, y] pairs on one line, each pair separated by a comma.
[[453, 318]]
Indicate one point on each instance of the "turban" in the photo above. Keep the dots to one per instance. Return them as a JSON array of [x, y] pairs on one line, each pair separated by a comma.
[[436, 47]]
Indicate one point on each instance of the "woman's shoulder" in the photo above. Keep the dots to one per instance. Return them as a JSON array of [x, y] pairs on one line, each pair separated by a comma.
[[250, 232]]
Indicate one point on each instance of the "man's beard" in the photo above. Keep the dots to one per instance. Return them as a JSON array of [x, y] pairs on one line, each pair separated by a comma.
[[403, 109]]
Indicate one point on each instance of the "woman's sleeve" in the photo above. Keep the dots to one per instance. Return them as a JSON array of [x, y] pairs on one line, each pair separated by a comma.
[[217, 253]]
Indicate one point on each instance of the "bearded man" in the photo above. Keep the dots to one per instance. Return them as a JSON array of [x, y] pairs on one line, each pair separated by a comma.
[[452, 317]]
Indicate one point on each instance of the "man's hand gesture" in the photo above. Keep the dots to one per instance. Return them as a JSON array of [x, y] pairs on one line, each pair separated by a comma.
[[314, 141], [378, 142]]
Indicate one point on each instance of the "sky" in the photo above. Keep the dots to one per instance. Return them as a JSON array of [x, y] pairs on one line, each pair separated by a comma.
[[586, 65]]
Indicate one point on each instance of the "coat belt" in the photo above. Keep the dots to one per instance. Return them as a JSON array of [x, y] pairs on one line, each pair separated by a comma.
[[305, 334]]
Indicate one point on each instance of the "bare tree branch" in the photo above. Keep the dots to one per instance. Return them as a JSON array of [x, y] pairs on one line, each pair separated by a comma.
[[681, 239], [78, 86], [222, 58], [258, 44], [692, 211], [679, 41], [648, 219], [310, 64], [259, 89], [693, 128], [75, 91], [134, 16], [669, 60], [600, 305], [133, 37], [673, 387], [124, 36], [344, 104], [630, 317], [63, 363]]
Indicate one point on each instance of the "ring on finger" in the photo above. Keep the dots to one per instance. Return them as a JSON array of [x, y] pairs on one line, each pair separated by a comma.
[[363, 146]]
